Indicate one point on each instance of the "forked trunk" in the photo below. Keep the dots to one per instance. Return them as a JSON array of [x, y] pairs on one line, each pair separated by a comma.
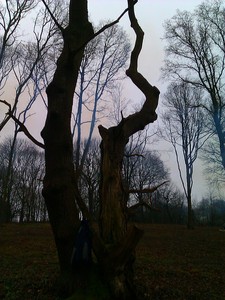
[[115, 250]]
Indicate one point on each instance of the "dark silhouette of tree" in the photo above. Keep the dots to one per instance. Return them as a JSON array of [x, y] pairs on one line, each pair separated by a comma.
[[143, 172], [213, 169], [60, 182], [172, 204]]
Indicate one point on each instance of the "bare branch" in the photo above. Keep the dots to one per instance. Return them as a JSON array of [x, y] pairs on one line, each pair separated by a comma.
[[22, 126], [6, 103], [107, 25], [7, 117], [26, 132], [53, 17], [147, 114], [115, 21], [147, 190]]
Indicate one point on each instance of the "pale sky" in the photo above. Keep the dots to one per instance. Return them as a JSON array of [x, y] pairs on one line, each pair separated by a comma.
[[151, 15]]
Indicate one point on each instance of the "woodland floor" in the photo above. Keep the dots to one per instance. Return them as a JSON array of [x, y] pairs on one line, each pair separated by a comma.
[[172, 263]]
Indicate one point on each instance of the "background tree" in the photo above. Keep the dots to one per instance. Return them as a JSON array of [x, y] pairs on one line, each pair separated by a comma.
[[29, 172], [22, 61], [90, 177], [214, 170], [186, 129], [196, 55], [171, 205], [21, 184], [7, 158], [210, 211], [144, 172], [102, 65], [11, 15], [21, 66], [134, 151]]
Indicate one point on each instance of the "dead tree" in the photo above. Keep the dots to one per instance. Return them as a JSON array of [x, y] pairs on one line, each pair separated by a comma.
[[113, 210]]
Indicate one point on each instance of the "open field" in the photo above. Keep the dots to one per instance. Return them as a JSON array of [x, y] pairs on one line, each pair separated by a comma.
[[172, 262]]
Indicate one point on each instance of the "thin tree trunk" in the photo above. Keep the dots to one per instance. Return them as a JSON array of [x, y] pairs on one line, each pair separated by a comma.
[[190, 221], [221, 137]]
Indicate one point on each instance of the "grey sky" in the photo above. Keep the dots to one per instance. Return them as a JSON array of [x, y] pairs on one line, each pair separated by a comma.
[[151, 16]]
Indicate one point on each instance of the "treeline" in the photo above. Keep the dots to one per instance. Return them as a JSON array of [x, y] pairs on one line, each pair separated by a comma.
[[21, 174], [152, 196], [206, 212]]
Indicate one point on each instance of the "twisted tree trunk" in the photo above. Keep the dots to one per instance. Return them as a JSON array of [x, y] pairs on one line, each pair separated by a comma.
[[113, 209]]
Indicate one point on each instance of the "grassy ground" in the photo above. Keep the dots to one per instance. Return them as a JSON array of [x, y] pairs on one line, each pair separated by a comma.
[[172, 262]]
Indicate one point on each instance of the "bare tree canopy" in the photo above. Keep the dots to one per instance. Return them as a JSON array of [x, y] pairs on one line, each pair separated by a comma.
[[102, 66], [184, 126], [196, 54]]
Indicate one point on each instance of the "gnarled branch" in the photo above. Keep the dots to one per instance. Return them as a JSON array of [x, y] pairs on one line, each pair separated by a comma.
[[147, 114]]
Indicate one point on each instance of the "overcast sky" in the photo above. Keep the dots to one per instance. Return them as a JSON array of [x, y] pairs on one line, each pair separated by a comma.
[[151, 15]]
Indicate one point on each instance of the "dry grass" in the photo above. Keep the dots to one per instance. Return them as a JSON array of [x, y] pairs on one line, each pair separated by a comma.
[[172, 263], [176, 263], [28, 262]]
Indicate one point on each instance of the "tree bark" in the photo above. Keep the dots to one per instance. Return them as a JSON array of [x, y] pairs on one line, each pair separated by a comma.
[[58, 190], [112, 195]]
